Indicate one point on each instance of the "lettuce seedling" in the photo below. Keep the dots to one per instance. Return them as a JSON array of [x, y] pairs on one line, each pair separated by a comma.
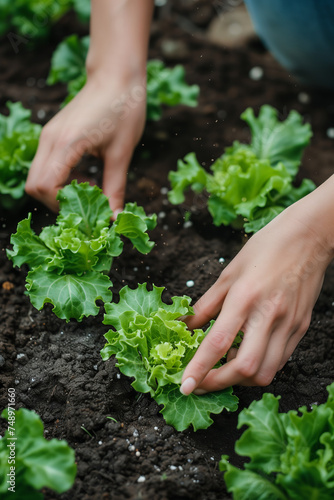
[[291, 455], [154, 347], [18, 144], [69, 261], [29, 462], [250, 183], [165, 86], [33, 19]]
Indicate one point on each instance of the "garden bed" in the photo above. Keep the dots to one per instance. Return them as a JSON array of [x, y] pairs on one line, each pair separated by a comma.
[[56, 367]]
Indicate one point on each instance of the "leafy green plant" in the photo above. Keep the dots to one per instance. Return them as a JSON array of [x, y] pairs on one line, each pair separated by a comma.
[[18, 144], [29, 462], [154, 347], [68, 261], [291, 454], [250, 183], [33, 18], [165, 86]]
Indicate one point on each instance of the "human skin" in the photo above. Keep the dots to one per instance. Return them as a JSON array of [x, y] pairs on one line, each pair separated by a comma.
[[108, 115], [268, 291]]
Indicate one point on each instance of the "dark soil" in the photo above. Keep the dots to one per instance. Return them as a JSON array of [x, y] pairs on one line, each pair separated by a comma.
[[56, 367]]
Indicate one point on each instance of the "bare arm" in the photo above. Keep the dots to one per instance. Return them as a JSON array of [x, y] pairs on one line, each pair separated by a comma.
[[268, 291], [107, 116]]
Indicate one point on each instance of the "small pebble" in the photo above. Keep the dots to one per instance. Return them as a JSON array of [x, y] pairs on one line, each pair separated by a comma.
[[330, 133], [190, 283], [256, 73], [162, 215], [141, 479], [93, 169], [100, 442], [221, 260], [135, 269], [303, 97], [131, 447], [137, 453], [187, 224], [20, 356], [41, 114], [164, 190]]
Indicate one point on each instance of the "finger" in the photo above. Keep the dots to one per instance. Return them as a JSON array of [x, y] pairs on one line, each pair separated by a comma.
[[208, 306], [290, 347], [214, 346], [51, 172], [116, 164], [246, 364]]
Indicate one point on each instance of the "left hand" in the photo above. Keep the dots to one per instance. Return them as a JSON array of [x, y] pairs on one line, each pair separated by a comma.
[[268, 291]]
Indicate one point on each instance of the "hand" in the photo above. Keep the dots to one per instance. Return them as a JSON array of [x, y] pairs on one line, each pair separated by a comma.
[[268, 291], [106, 119]]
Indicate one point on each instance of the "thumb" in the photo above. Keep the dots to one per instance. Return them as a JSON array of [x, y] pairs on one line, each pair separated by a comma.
[[114, 178]]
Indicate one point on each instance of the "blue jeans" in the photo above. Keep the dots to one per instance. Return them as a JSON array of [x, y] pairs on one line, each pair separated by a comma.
[[300, 35]]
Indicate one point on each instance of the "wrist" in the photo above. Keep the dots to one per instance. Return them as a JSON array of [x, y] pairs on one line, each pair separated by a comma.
[[316, 213]]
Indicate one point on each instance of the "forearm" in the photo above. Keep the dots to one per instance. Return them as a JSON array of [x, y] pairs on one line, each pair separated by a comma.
[[119, 37]]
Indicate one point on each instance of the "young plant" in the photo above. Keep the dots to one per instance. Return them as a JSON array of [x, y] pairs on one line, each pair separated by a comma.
[[69, 261], [18, 144], [33, 19], [152, 345], [29, 462], [165, 86], [250, 183], [291, 454]]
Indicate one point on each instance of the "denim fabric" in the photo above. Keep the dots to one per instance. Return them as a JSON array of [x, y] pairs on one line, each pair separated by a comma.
[[300, 35]]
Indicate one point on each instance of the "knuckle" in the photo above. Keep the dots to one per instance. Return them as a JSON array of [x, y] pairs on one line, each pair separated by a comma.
[[219, 341], [247, 368], [263, 379]]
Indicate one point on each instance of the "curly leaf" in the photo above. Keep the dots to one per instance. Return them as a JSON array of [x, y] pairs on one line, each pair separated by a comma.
[[278, 141], [188, 173], [85, 201], [39, 463], [144, 303], [27, 247], [154, 347], [68, 60], [72, 296], [18, 145], [133, 223], [182, 411]]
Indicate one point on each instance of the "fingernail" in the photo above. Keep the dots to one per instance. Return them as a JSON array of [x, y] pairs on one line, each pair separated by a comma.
[[200, 392], [188, 386], [117, 212]]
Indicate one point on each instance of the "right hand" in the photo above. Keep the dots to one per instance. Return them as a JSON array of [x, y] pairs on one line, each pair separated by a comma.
[[106, 119]]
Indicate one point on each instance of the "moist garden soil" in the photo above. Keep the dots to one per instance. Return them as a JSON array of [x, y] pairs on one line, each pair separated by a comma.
[[56, 367]]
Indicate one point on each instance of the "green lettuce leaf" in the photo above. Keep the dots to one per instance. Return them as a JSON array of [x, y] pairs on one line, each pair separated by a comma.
[[32, 18], [68, 258], [278, 141], [182, 411], [291, 455], [249, 184], [72, 295], [18, 145], [83, 9], [165, 86], [153, 346], [68, 60], [39, 463]]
